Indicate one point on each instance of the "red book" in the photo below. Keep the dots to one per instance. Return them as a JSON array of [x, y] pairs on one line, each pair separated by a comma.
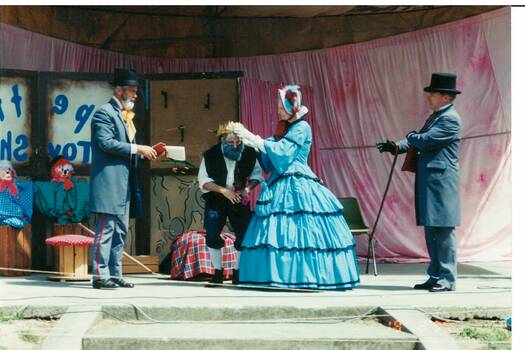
[[410, 163], [160, 148]]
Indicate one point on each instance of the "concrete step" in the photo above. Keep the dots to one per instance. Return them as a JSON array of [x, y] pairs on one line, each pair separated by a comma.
[[232, 335], [166, 313]]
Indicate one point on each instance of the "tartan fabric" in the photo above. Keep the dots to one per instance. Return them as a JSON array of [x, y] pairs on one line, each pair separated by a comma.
[[190, 256]]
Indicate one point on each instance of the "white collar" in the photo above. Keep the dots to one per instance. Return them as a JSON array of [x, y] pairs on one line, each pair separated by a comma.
[[118, 103], [442, 108]]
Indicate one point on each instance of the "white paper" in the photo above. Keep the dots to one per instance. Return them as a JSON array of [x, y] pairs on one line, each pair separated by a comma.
[[176, 153]]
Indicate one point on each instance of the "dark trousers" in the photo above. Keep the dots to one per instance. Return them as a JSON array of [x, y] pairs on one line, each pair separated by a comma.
[[215, 219], [108, 247], [441, 245]]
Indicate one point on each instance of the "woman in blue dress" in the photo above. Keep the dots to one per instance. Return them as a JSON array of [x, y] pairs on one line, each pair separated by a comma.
[[297, 237]]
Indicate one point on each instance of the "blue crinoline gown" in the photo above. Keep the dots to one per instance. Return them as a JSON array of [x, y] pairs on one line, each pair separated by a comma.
[[297, 237]]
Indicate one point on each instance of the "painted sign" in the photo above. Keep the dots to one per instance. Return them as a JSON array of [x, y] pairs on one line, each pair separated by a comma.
[[15, 120], [176, 207], [73, 104]]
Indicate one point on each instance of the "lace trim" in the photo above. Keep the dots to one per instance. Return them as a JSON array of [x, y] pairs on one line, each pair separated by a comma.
[[292, 141], [300, 212], [314, 285], [296, 174], [294, 249]]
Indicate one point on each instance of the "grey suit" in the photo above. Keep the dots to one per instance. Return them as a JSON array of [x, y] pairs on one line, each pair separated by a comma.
[[437, 192], [437, 176], [110, 188]]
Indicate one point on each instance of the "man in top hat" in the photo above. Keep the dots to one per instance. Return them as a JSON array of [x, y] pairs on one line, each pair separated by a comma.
[[114, 178], [433, 154], [229, 170]]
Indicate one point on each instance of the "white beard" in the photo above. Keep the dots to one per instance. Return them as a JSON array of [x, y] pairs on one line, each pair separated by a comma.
[[128, 105]]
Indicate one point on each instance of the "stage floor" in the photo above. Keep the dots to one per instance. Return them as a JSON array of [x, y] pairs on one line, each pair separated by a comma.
[[480, 285]]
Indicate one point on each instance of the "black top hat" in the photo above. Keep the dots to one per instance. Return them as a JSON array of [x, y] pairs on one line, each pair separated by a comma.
[[125, 77], [442, 82]]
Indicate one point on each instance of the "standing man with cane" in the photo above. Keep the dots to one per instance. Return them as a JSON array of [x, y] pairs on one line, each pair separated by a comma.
[[433, 154], [114, 182]]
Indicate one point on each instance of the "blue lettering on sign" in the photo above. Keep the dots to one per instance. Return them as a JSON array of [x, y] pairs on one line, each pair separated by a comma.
[[54, 151], [1, 112], [16, 147], [6, 147], [86, 146], [16, 99], [19, 153], [71, 150], [61, 104], [82, 116]]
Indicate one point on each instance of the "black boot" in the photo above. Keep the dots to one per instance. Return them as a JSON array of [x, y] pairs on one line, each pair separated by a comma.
[[122, 283], [235, 277], [104, 284], [217, 277], [426, 285]]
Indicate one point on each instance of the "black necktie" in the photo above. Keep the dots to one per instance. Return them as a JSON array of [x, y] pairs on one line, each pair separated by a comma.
[[429, 120]]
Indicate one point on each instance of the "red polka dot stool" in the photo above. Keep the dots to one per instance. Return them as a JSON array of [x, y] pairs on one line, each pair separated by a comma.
[[72, 256]]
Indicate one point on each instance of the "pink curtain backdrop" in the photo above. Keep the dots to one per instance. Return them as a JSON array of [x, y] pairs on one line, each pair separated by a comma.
[[364, 92]]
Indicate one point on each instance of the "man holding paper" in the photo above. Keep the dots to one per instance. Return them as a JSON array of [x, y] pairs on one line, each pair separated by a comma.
[[114, 178]]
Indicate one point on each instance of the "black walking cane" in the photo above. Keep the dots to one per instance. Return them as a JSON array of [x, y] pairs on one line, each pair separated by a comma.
[[371, 236]]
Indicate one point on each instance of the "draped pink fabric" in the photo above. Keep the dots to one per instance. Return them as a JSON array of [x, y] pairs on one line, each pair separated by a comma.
[[361, 93]]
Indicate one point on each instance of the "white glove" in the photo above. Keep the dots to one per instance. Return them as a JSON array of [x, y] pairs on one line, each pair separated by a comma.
[[249, 139], [248, 142], [259, 144], [242, 132]]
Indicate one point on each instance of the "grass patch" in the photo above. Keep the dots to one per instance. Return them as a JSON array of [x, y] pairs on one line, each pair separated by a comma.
[[28, 337], [494, 337], [5, 318]]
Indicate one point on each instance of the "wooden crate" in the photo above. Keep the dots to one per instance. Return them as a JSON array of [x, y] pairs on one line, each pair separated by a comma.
[[72, 260], [151, 261], [66, 229], [60, 230], [15, 250]]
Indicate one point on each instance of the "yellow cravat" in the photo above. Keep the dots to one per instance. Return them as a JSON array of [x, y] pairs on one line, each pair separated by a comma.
[[128, 119]]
